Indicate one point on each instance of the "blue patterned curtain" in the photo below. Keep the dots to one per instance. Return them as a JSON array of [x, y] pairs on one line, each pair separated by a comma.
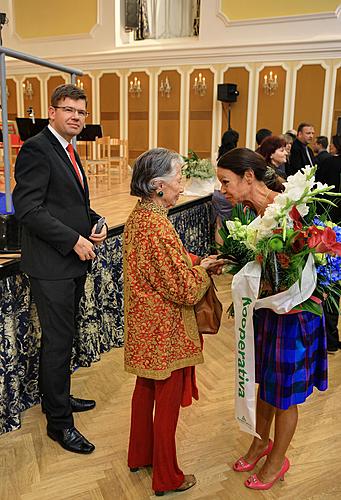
[[100, 322]]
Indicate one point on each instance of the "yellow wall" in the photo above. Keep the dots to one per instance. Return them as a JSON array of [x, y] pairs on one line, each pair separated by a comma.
[[43, 18], [249, 9]]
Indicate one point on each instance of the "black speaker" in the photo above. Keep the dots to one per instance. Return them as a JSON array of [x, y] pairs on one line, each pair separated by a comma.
[[227, 92], [338, 130], [131, 15]]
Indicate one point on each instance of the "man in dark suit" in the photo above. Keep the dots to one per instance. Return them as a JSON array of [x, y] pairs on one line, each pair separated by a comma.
[[301, 154], [329, 172], [320, 148], [51, 200]]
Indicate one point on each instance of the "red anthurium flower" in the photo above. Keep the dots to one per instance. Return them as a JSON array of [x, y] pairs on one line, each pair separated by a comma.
[[329, 241], [314, 235], [296, 217], [298, 242]]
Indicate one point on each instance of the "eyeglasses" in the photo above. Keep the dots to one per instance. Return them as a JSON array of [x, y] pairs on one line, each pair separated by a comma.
[[72, 111]]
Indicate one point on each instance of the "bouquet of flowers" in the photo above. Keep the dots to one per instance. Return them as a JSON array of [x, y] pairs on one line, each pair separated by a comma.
[[282, 239], [197, 167]]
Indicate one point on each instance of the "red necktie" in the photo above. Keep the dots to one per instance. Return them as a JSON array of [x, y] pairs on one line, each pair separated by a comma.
[[71, 152]]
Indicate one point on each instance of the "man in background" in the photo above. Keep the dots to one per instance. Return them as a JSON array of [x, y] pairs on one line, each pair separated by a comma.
[[51, 200], [301, 154], [320, 148]]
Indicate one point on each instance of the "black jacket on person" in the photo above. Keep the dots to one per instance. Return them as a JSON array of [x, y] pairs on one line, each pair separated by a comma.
[[322, 156], [52, 207], [299, 158], [329, 172]]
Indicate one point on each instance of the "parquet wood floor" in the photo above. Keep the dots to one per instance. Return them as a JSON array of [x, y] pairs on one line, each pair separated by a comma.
[[32, 467]]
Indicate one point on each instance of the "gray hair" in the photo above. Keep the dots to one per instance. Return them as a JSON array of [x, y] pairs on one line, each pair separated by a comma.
[[155, 164]]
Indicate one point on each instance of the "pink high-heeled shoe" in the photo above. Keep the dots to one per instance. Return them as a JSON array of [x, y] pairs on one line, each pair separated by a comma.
[[256, 484], [241, 465]]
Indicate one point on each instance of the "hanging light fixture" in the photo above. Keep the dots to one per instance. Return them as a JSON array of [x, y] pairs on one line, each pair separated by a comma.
[[165, 88], [80, 84], [27, 89], [270, 84], [200, 87], [135, 88]]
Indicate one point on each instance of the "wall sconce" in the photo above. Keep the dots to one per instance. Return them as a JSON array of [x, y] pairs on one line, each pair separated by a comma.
[[135, 87], [27, 89], [270, 84], [80, 84], [165, 88], [200, 86]]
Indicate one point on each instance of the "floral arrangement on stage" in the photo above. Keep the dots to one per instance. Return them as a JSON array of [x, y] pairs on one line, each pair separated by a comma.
[[283, 238], [194, 166]]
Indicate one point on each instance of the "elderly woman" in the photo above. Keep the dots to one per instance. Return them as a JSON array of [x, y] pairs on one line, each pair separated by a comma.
[[162, 344], [290, 349], [273, 149]]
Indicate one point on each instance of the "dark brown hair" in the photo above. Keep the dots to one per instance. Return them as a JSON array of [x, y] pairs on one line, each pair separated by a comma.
[[240, 160], [269, 146], [67, 90], [336, 140], [302, 125]]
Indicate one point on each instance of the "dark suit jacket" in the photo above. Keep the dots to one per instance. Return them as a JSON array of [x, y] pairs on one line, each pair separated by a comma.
[[329, 172], [53, 208], [299, 158], [322, 156]]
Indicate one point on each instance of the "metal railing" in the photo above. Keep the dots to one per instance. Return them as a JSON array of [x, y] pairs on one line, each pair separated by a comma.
[[34, 60]]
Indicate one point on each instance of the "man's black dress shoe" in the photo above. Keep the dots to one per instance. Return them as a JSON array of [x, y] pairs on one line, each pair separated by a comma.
[[71, 440], [78, 404]]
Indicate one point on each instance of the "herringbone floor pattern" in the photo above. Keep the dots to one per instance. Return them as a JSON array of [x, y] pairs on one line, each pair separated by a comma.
[[32, 467]]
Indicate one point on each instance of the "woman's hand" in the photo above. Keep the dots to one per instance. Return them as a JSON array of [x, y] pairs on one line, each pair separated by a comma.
[[212, 264]]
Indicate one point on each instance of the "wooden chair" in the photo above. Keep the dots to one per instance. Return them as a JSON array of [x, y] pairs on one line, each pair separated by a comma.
[[98, 164], [119, 157]]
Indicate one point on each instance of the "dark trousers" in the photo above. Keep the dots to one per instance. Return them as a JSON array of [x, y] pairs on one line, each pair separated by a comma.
[[332, 318], [152, 440], [57, 305]]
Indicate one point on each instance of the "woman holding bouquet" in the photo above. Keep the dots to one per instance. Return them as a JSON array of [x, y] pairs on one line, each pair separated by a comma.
[[290, 349], [162, 343]]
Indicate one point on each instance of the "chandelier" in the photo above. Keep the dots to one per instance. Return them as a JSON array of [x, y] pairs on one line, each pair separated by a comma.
[[200, 87], [270, 84], [27, 89], [80, 84], [135, 87], [165, 88]]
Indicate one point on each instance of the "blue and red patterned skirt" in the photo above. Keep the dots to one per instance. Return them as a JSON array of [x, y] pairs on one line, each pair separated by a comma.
[[290, 356]]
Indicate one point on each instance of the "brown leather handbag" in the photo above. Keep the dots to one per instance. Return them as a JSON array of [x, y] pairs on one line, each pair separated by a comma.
[[208, 312]]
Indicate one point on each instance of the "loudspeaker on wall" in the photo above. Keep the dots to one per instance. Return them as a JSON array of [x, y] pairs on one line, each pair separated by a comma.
[[227, 92]]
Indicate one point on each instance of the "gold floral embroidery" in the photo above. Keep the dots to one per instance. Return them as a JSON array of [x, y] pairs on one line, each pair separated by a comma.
[[161, 287]]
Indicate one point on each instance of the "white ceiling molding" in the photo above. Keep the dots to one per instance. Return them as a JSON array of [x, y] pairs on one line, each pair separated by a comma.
[[320, 16], [189, 55]]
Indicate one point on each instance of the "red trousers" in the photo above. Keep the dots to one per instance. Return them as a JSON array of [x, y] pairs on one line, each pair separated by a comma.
[[152, 441]]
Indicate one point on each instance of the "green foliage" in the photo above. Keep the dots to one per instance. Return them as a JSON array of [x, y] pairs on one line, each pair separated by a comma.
[[197, 167], [234, 251]]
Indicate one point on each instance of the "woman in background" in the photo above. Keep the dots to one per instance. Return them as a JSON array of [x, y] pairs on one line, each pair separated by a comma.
[[273, 150], [290, 349]]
